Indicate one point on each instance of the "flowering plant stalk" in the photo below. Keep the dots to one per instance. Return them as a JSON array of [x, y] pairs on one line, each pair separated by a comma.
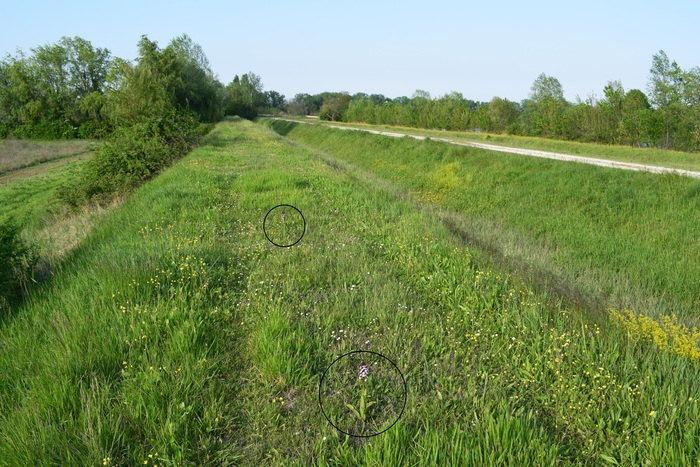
[[364, 405]]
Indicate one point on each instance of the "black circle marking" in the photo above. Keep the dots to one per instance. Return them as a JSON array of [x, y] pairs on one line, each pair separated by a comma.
[[320, 393], [283, 214]]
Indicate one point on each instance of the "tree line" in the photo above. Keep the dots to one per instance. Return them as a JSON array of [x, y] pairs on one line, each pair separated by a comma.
[[71, 89], [667, 117]]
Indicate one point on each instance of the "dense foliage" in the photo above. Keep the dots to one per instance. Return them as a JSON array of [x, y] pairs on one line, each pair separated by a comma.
[[667, 117], [57, 92], [156, 111], [72, 89]]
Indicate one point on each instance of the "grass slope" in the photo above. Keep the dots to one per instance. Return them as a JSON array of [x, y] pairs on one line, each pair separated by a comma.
[[178, 335], [650, 156], [29, 194], [630, 238]]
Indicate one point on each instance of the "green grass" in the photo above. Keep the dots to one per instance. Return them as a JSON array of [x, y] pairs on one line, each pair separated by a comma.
[[649, 156], [176, 328], [30, 194], [630, 239], [17, 153]]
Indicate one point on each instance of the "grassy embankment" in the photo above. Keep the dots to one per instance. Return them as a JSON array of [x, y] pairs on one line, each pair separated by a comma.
[[605, 236], [178, 335], [28, 195], [650, 156]]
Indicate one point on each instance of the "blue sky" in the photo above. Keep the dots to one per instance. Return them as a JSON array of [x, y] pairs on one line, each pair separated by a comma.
[[481, 49]]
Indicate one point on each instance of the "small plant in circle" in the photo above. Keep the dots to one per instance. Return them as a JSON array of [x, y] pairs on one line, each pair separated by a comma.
[[284, 225], [362, 411]]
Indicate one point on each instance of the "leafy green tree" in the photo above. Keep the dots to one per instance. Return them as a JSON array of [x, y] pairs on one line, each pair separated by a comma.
[[361, 110], [199, 90], [147, 88], [275, 100], [379, 99], [480, 118], [691, 98], [306, 104], [334, 107], [545, 110], [42, 95], [503, 114], [636, 118], [153, 125], [245, 96], [611, 110], [665, 91]]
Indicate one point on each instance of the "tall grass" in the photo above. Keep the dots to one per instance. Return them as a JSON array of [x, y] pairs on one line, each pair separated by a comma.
[[177, 334]]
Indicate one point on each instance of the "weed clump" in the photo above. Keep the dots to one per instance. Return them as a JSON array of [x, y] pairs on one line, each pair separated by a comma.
[[17, 258]]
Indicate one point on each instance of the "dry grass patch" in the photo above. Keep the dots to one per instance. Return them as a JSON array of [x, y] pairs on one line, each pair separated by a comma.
[[18, 153]]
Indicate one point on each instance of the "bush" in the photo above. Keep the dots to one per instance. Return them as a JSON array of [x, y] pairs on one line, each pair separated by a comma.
[[92, 129], [134, 154], [17, 259], [46, 129]]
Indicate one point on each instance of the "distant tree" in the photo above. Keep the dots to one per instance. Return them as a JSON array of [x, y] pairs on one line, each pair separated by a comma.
[[503, 114], [611, 111], [305, 104], [296, 107], [361, 110], [275, 100], [55, 91], [245, 96], [145, 89], [665, 91], [544, 113], [480, 118], [691, 98], [636, 117], [379, 99], [450, 112], [335, 106]]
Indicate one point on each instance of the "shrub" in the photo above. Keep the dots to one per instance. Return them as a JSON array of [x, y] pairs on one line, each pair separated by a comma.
[[92, 129], [134, 154], [46, 129], [17, 261]]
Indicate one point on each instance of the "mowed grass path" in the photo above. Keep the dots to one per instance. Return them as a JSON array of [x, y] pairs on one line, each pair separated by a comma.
[[176, 334]]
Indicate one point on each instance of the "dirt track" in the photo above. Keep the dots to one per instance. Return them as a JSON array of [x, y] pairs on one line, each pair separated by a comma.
[[526, 152]]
